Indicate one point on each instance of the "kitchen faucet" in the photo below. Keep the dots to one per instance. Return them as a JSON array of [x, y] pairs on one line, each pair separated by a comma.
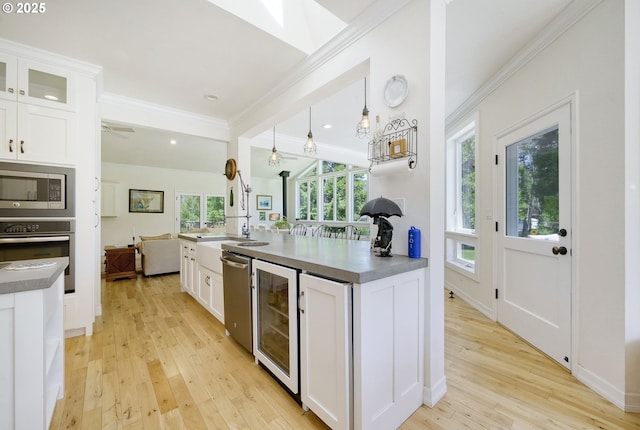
[[246, 190]]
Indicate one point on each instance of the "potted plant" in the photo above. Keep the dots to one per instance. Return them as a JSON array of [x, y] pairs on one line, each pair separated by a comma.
[[282, 224]]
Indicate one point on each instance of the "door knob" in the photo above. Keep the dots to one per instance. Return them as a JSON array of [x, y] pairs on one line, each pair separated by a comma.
[[559, 250], [562, 232]]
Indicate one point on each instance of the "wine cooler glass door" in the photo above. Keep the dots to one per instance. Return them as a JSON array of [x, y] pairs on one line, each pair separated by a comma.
[[276, 321]]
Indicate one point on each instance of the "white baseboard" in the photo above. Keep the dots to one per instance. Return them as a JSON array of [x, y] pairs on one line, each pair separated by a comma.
[[632, 403], [486, 311], [432, 395], [602, 387]]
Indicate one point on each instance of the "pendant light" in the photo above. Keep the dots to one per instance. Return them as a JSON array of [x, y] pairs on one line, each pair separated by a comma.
[[364, 126], [274, 158], [310, 147]]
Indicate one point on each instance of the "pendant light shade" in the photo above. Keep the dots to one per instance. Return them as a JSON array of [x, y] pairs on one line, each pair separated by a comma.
[[364, 126], [274, 158], [310, 147]]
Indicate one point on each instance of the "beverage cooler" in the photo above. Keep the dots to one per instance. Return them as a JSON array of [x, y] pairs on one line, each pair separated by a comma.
[[275, 326]]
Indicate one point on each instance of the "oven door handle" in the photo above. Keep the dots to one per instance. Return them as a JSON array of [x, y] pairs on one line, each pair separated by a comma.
[[34, 239]]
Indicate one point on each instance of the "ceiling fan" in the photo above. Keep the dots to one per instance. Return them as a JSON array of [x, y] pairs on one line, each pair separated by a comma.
[[116, 130]]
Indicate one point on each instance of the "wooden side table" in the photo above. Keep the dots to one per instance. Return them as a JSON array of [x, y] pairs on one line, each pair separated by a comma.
[[120, 262]]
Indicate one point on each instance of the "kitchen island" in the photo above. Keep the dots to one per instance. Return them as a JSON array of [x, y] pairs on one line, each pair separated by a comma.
[[361, 326], [31, 341]]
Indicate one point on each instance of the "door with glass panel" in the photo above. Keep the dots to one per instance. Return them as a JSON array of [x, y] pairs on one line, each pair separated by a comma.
[[534, 234], [196, 210]]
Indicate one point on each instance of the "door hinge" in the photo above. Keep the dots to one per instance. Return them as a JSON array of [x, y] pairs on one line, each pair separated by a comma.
[[496, 159], [496, 294], [496, 225]]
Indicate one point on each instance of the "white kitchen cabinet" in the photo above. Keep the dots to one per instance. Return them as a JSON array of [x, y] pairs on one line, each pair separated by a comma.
[[8, 77], [37, 83], [189, 268], [211, 293], [36, 133], [31, 356], [325, 349], [361, 350], [8, 130], [204, 287], [37, 122], [109, 194]]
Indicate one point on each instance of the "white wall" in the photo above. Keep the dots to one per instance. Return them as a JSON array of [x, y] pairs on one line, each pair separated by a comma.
[[269, 187], [119, 230], [586, 62]]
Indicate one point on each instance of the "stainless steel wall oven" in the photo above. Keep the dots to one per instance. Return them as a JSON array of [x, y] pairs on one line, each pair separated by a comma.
[[33, 239]]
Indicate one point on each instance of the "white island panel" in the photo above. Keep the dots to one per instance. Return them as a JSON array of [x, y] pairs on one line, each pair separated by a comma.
[[388, 343]]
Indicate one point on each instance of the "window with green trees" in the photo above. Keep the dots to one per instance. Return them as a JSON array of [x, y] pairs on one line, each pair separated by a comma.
[[198, 210], [461, 239], [336, 194]]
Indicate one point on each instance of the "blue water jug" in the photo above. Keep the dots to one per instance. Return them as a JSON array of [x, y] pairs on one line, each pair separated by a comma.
[[414, 242]]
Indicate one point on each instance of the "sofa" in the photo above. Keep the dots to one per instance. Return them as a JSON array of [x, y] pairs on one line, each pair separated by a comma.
[[159, 254]]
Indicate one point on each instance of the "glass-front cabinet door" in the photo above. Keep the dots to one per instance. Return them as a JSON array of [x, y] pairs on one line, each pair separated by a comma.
[[45, 85], [276, 321], [8, 77], [36, 83]]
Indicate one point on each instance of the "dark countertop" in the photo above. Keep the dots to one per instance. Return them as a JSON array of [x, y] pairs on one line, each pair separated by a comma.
[[17, 281], [340, 259]]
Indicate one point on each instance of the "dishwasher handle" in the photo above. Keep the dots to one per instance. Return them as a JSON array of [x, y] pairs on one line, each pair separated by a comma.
[[233, 263]]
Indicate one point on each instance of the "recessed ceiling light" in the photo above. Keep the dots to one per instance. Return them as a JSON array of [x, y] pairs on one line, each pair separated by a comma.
[[173, 141], [51, 97], [211, 97], [327, 126]]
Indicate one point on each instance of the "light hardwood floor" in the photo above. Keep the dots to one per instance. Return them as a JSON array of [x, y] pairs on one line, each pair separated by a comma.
[[157, 360]]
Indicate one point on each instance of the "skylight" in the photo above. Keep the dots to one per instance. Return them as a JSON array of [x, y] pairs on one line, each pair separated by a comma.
[[303, 24]]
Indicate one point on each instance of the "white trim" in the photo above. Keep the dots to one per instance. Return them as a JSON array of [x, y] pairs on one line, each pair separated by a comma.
[[489, 312], [563, 22], [35, 54], [370, 18], [600, 386], [432, 395]]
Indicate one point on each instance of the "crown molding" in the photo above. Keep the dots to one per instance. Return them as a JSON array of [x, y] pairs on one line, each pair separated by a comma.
[[369, 19], [573, 13]]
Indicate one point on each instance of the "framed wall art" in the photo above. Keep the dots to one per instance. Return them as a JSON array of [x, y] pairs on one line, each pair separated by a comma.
[[263, 203], [146, 201]]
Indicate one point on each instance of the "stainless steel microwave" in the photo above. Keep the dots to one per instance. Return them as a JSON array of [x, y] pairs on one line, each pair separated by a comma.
[[30, 190]]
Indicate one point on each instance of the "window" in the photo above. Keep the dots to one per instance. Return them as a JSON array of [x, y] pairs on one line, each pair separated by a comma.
[[335, 195], [197, 210], [461, 239]]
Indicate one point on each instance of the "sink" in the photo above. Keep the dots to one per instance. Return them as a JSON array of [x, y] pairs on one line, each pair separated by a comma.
[[252, 243]]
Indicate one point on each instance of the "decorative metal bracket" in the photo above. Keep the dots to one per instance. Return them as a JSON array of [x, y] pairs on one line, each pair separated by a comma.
[[398, 140]]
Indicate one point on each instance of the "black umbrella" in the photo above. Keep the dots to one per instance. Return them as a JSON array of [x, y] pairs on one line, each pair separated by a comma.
[[380, 207]]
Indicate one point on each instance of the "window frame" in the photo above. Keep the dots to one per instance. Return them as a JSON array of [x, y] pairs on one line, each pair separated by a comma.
[[319, 178], [203, 206], [456, 235]]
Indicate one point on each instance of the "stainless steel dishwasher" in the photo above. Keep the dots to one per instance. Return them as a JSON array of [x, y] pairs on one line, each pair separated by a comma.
[[236, 278]]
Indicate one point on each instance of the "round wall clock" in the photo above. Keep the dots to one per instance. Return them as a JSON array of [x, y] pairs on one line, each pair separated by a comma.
[[396, 90], [230, 169]]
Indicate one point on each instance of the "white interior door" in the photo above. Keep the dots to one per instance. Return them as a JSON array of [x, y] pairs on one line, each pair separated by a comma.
[[534, 244]]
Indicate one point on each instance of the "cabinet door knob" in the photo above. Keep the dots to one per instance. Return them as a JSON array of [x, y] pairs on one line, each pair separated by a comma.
[[10, 90], [10, 145], [21, 92], [22, 146]]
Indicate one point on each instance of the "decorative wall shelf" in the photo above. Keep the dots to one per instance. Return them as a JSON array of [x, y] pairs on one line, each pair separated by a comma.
[[398, 140]]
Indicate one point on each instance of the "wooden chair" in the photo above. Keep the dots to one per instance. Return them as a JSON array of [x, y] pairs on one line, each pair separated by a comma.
[[298, 230]]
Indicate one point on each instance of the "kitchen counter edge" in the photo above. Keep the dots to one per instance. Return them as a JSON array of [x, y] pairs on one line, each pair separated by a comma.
[[18, 281], [374, 268]]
